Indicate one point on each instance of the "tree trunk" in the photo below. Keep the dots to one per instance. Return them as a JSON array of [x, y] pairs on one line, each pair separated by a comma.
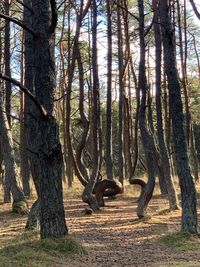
[[188, 192], [147, 138], [19, 203], [163, 153], [87, 193], [108, 148], [46, 142], [120, 104]]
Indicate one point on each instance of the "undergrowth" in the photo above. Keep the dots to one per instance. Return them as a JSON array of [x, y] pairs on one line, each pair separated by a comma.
[[28, 250]]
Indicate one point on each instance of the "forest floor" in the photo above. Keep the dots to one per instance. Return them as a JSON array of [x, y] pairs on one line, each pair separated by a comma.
[[114, 236]]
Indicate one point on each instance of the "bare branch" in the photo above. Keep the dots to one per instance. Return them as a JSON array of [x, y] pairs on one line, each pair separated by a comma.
[[54, 16], [26, 91], [195, 9], [26, 6], [18, 22]]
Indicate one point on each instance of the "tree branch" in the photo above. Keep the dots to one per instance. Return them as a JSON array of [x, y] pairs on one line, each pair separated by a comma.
[[26, 6], [18, 22], [195, 9], [54, 16], [26, 91]]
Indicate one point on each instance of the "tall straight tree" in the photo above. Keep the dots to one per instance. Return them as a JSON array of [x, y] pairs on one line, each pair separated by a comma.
[[8, 89], [120, 105], [46, 142], [7, 57], [108, 149], [188, 192], [164, 157], [29, 109]]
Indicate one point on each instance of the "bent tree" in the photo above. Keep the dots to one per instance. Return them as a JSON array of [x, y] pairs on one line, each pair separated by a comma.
[[188, 192]]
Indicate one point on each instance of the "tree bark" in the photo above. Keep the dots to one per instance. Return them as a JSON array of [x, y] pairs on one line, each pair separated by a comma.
[[163, 153], [188, 192], [46, 143]]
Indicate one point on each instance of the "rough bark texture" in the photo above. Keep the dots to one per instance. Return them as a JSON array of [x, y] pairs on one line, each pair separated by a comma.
[[46, 142], [29, 119], [188, 192], [163, 153]]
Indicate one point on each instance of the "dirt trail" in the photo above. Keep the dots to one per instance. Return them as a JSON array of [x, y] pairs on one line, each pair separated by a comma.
[[113, 237]]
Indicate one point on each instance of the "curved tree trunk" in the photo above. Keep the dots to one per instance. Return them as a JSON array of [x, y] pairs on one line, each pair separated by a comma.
[[87, 193], [147, 138]]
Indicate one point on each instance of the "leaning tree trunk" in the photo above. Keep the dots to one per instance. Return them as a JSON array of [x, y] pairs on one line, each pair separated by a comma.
[[188, 192], [19, 203], [46, 143]]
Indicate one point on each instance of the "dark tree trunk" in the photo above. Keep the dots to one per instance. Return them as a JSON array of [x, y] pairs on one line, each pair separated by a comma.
[[108, 148], [188, 192], [120, 105], [8, 88], [163, 153], [46, 143], [147, 138], [7, 56], [24, 160], [29, 119]]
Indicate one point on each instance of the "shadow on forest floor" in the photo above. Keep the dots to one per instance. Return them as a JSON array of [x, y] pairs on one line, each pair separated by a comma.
[[113, 237]]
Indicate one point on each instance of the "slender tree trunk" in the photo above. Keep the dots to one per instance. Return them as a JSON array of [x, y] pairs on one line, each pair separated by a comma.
[[147, 138], [164, 158], [120, 105], [7, 56], [8, 89], [188, 192], [19, 203], [87, 193], [24, 164], [108, 148], [29, 119]]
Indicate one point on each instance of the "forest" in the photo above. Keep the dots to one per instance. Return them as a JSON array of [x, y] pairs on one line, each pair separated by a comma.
[[99, 133]]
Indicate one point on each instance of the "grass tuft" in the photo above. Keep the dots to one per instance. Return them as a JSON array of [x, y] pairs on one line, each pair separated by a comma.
[[182, 241], [28, 250]]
